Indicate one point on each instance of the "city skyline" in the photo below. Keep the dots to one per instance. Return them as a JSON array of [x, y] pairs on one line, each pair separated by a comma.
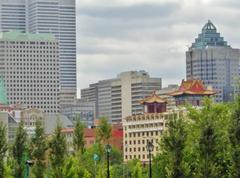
[[145, 35]]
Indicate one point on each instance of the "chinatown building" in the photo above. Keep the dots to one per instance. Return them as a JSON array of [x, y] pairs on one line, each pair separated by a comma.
[[191, 92], [147, 127]]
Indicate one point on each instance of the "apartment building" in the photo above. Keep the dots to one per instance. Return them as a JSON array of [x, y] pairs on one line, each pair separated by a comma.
[[119, 97]]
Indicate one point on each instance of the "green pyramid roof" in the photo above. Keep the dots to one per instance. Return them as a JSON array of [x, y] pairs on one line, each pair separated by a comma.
[[209, 37]]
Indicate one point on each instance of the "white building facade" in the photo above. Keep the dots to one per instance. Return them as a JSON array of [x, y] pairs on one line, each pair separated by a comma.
[[29, 65], [57, 17]]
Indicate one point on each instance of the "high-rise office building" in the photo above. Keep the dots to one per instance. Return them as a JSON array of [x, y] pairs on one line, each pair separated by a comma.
[[119, 97], [213, 61], [30, 69], [57, 17]]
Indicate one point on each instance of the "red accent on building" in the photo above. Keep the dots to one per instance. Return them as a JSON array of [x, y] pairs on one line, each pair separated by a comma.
[[116, 139], [191, 92]]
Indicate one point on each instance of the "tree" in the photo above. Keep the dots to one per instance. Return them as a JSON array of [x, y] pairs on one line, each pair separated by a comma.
[[137, 171], [78, 137], [3, 147], [172, 146], [208, 150], [58, 151], [234, 133], [19, 150], [38, 150], [104, 131]]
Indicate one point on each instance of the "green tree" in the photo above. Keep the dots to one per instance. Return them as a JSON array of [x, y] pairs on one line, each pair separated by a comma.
[[58, 150], [38, 150], [214, 143], [137, 171], [3, 147], [19, 150], [208, 150], [104, 130], [234, 132], [172, 146], [78, 137], [75, 168]]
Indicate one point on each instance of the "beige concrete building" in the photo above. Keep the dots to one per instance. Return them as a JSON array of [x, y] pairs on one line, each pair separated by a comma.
[[118, 98], [29, 66], [141, 128]]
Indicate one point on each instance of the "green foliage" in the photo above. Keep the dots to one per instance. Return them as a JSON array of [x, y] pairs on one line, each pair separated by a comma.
[[235, 137], [137, 171], [58, 150], [38, 150], [19, 149], [78, 137], [3, 148], [103, 131], [172, 147]]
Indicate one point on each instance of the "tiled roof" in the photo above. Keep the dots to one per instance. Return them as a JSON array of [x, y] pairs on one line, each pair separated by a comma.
[[154, 98], [192, 87]]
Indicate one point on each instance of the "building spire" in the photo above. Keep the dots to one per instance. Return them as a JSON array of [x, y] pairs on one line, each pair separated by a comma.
[[209, 37]]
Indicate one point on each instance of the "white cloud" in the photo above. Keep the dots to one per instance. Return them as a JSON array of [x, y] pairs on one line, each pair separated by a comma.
[[120, 35]]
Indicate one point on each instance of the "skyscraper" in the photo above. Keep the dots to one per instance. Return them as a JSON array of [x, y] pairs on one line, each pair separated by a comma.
[[213, 61], [119, 97], [29, 66], [57, 17]]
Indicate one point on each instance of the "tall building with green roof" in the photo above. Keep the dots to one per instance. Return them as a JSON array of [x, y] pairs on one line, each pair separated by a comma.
[[29, 65], [57, 17], [213, 61]]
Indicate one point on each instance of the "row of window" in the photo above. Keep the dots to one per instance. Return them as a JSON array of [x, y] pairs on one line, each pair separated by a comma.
[[147, 133], [134, 142]]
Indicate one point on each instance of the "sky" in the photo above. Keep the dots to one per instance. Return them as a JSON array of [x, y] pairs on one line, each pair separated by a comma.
[[152, 35]]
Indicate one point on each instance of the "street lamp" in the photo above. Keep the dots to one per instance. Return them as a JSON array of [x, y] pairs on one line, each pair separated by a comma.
[[150, 149], [108, 149], [28, 164]]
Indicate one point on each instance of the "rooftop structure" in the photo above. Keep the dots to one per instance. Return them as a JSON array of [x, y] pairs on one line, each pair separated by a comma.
[[209, 37], [15, 35], [154, 104], [192, 92]]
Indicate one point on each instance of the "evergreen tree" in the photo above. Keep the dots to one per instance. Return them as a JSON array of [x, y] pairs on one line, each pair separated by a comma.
[[137, 171], [38, 150], [58, 150], [208, 145], [172, 147], [19, 150], [78, 137], [3, 147], [104, 131], [235, 137]]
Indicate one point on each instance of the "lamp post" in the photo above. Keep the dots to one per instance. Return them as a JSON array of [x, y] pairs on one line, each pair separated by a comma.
[[150, 149], [108, 149], [28, 164]]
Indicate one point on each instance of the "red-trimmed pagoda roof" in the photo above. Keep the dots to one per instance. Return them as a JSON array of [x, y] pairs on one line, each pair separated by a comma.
[[154, 98], [192, 87]]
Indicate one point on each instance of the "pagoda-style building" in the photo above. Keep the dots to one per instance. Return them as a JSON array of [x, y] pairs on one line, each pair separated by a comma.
[[191, 92], [154, 104]]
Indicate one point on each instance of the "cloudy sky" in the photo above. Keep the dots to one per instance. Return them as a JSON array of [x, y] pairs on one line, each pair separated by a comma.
[[152, 35]]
